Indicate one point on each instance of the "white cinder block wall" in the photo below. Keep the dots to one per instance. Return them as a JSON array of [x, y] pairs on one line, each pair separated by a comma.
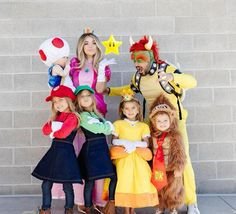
[[199, 34]]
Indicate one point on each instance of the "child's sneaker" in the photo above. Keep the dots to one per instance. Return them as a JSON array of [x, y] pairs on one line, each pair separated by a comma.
[[193, 209], [174, 211], [159, 211]]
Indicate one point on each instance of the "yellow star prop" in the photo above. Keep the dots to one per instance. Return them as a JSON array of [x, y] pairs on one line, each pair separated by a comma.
[[111, 45]]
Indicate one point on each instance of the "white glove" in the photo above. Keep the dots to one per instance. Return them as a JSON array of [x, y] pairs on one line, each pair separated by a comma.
[[51, 135], [93, 120], [112, 128], [130, 147], [56, 125], [120, 142], [101, 69], [141, 144]]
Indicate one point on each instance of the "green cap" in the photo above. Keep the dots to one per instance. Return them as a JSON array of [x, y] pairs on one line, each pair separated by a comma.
[[83, 87]]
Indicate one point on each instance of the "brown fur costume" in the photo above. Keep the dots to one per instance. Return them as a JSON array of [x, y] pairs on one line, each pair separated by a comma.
[[172, 195]]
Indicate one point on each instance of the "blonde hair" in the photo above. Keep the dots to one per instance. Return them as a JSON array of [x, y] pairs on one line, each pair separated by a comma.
[[71, 108], [80, 51], [92, 108], [139, 116]]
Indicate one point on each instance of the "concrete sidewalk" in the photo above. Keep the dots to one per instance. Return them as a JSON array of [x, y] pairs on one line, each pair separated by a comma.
[[208, 204]]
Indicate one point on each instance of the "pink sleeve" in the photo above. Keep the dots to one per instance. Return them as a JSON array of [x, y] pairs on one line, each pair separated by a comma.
[[108, 73], [74, 63]]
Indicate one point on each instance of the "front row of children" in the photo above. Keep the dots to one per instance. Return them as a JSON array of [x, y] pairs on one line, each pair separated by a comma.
[[132, 183]]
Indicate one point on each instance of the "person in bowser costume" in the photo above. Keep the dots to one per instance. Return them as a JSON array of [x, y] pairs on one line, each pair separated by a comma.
[[153, 77]]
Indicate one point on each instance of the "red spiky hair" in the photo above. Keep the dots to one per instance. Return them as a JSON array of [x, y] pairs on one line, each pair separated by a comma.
[[140, 46]]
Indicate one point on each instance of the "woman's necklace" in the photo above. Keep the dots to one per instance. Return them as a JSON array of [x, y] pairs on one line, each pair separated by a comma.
[[87, 70]]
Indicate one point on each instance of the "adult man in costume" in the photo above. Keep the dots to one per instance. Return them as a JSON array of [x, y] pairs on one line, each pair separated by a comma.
[[152, 78]]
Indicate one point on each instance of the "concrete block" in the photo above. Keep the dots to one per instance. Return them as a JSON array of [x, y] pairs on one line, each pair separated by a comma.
[[21, 27], [224, 132], [34, 118], [124, 64], [6, 47], [29, 156], [127, 77], [14, 100], [233, 77], [15, 137], [229, 95], [226, 170], [170, 57], [216, 151], [30, 82], [6, 10], [231, 7], [192, 25], [130, 8], [200, 133], [197, 60], [6, 119], [6, 156], [217, 186], [38, 139], [26, 46], [38, 66], [115, 80], [225, 60], [232, 41], [209, 8], [6, 27], [5, 190], [175, 8], [193, 151], [6, 82], [220, 24], [199, 97], [38, 100], [213, 114], [210, 42], [27, 189], [175, 43], [213, 78], [234, 113], [191, 114], [15, 175], [15, 64], [204, 170]]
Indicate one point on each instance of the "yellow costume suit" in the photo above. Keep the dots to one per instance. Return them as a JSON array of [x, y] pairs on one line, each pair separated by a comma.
[[134, 188], [150, 87]]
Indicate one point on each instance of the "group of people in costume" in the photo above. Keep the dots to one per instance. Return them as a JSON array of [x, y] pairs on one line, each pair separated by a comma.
[[146, 164]]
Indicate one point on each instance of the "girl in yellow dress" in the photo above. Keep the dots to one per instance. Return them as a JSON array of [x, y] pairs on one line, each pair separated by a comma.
[[130, 153]]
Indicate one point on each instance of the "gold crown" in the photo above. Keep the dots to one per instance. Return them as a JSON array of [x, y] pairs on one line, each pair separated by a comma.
[[88, 30], [127, 94]]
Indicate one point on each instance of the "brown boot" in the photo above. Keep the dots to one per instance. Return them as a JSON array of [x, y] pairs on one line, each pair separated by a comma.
[[69, 211], [89, 210], [110, 207], [47, 211]]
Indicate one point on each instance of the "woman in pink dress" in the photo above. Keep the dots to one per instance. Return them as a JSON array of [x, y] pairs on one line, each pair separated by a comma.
[[88, 68]]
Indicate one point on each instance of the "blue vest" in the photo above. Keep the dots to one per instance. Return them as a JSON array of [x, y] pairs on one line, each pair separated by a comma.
[[53, 81]]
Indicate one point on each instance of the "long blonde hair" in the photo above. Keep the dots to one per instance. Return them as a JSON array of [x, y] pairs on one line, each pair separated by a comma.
[[80, 50], [139, 116], [92, 108], [71, 106]]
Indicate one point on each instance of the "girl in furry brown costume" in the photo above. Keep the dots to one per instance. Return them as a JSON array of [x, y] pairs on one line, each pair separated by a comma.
[[169, 155]]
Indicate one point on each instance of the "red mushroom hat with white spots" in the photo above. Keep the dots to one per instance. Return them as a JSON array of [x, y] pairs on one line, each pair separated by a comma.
[[53, 49]]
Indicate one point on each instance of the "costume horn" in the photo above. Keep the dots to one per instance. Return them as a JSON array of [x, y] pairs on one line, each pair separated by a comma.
[[148, 45], [131, 41]]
